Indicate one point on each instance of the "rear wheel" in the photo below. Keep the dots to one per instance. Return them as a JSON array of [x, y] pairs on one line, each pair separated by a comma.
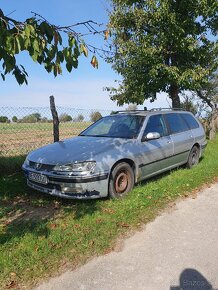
[[121, 180], [193, 158]]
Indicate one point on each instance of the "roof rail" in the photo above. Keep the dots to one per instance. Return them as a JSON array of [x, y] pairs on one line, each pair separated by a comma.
[[151, 110], [129, 111], [170, 109]]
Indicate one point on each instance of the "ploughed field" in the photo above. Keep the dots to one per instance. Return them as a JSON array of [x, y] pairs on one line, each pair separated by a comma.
[[20, 138]]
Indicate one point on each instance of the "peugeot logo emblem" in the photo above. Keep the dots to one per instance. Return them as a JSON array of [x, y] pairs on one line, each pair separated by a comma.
[[38, 166]]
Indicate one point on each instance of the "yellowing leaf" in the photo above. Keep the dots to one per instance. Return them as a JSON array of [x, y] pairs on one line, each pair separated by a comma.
[[84, 49], [94, 62], [106, 34]]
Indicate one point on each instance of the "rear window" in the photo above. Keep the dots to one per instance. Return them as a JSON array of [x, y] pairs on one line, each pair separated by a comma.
[[176, 123], [190, 120]]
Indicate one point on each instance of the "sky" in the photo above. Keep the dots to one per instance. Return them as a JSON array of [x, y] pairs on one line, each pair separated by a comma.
[[83, 87]]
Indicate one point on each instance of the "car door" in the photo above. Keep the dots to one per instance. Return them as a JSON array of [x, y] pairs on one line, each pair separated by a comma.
[[182, 137], [153, 152]]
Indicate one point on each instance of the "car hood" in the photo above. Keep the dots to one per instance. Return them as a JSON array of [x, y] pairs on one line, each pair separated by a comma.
[[81, 148]]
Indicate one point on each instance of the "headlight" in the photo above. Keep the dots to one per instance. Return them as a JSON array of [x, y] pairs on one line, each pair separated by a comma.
[[26, 162], [80, 168]]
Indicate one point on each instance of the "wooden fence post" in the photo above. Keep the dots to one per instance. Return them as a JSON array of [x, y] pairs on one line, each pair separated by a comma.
[[55, 119]]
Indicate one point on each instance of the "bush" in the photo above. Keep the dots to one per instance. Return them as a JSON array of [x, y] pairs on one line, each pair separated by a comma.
[[4, 119], [95, 116], [65, 118], [14, 119], [32, 118], [79, 118], [44, 120]]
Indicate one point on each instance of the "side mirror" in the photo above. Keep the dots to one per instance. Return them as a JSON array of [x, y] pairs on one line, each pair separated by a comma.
[[151, 136]]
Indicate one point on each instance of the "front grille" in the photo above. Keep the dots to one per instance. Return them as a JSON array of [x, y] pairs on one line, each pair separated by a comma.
[[40, 166]]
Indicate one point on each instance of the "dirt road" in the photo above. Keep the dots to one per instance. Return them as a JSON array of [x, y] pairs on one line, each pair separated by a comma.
[[178, 250]]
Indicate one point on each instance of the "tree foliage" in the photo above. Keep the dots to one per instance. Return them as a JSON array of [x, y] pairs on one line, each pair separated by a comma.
[[95, 116], [188, 104], [65, 118], [79, 118], [14, 119], [4, 119], [31, 118], [209, 96], [166, 45], [50, 45]]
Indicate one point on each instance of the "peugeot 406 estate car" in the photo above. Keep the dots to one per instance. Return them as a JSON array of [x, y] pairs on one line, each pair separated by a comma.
[[115, 153]]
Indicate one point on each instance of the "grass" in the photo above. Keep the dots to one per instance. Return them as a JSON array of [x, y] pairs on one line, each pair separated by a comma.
[[13, 127], [41, 235], [20, 138], [10, 165]]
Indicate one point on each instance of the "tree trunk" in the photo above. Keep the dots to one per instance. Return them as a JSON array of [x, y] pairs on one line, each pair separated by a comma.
[[212, 124], [55, 119], [174, 95]]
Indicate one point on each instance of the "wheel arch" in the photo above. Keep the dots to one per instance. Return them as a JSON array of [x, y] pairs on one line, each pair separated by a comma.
[[128, 161], [197, 145]]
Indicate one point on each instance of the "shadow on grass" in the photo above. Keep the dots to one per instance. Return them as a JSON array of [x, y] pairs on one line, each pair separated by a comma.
[[11, 164], [165, 173], [23, 210]]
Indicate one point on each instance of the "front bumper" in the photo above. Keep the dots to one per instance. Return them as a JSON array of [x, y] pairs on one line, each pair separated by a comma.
[[66, 186]]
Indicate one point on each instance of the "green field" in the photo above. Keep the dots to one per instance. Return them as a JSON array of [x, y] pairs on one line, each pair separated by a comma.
[[42, 235], [20, 138]]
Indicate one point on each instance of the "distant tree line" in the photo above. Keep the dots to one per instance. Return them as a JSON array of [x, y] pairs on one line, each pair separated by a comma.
[[37, 118]]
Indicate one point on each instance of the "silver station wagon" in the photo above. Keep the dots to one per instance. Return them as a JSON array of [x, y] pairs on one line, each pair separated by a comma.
[[115, 153]]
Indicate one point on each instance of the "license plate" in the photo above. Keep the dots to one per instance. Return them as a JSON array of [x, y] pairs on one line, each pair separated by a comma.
[[40, 178]]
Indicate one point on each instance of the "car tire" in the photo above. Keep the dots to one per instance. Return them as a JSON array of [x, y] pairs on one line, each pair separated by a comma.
[[193, 158], [121, 180]]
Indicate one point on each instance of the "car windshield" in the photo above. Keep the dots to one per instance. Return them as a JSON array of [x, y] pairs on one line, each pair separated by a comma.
[[116, 126]]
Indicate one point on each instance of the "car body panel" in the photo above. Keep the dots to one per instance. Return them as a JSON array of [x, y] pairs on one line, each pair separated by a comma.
[[148, 158]]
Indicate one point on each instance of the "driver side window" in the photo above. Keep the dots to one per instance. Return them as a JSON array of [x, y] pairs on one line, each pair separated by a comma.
[[156, 124]]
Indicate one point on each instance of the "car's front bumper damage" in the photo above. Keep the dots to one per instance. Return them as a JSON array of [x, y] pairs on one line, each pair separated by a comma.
[[69, 186]]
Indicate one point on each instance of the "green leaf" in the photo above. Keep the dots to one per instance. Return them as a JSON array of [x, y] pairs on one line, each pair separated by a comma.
[[71, 41], [9, 63], [69, 66], [3, 77], [67, 52], [76, 51], [17, 45], [24, 71], [35, 56], [27, 30], [75, 62], [27, 43], [47, 30], [60, 56], [52, 52], [48, 67], [35, 45]]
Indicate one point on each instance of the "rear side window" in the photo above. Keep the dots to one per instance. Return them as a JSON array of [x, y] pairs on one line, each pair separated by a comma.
[[176, 123], [192, 123]]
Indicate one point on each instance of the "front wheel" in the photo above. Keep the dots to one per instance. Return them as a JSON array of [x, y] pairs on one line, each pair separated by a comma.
[[121, 180], [193, 158]]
